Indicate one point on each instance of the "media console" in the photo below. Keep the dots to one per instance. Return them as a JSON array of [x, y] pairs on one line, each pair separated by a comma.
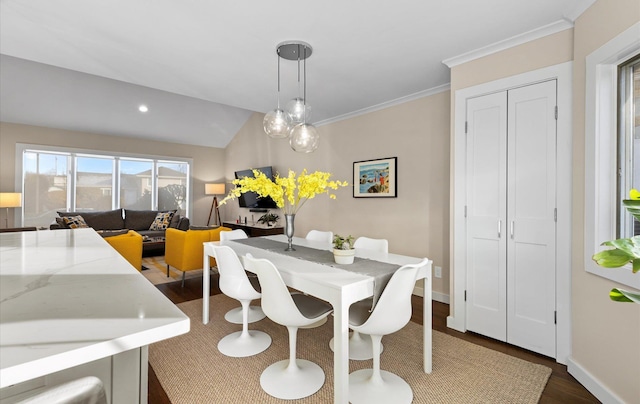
[[256, 230]]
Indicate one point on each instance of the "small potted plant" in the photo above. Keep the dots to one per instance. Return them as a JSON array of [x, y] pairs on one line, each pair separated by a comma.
[[343, 251], [268, 218]]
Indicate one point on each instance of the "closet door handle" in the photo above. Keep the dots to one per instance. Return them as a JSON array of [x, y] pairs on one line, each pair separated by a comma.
[[512, 229], [499, 228]]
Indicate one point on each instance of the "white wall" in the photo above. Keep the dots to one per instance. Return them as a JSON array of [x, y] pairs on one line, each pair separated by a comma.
[[606, 334]]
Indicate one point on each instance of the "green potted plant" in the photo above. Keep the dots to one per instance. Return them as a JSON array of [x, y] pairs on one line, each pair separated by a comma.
[[624, 250], [268, 218], [343, 251]]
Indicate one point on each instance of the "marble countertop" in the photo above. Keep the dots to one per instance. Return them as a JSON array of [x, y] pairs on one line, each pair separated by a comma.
[[67, 298]]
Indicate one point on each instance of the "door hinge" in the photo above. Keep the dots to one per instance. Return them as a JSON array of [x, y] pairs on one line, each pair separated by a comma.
[[465, 295], [555, 215], [556, 113], [466, 127], [465, 210], [555, 317]]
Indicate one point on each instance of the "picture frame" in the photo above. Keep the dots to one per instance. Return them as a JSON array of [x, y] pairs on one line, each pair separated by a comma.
[[375, 178]]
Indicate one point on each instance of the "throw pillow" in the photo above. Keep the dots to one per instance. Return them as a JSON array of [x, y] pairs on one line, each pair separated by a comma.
[[60, 222], [74, 222], [162, 221]]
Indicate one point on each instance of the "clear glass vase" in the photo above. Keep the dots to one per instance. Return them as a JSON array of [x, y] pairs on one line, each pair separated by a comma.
[[288, 231]]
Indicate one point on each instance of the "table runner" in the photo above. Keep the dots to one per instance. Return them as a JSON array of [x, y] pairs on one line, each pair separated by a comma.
[[380, 271]]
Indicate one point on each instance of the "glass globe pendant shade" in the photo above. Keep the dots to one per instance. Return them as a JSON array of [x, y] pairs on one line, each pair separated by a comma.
[[298, 111], [304, 138], [276, 124]]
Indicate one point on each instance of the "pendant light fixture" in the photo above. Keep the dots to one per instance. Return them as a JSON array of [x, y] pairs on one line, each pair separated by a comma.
[[303, 137], [277, 123], [297, 109]]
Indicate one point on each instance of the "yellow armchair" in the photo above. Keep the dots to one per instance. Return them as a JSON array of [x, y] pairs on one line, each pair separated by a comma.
[[129, 245], [183, 250]]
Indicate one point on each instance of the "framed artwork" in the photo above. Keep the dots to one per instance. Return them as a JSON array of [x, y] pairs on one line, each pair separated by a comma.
[[375, 178]]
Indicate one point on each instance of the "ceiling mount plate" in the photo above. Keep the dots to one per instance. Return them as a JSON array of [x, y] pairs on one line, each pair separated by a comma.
[[294, 50]]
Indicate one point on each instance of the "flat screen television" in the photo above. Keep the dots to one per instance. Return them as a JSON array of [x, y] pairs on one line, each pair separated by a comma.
[[251, 199]]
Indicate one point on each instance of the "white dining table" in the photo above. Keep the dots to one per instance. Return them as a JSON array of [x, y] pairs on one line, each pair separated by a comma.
[[72, 306], [339, 287]]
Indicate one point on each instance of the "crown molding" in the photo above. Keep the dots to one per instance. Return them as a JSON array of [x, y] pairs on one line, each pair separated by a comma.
[[519, 39], [387, 104]]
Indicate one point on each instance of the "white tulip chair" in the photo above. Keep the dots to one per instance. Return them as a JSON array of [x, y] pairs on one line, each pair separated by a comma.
[[317, 235], [85, 390], [390, 314], [360, 344], [235, 284], [255, 312], [291, 378]]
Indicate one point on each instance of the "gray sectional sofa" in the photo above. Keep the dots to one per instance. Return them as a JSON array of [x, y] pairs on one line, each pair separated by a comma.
[[121, 219]]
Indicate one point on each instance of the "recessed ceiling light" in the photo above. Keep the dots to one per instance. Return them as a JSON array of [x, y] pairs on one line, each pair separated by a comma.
[[143, 108]]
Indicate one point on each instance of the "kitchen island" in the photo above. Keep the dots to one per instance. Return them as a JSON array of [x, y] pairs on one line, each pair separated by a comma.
[[71, 306]]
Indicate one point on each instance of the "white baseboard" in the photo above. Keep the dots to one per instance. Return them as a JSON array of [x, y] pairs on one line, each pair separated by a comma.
[[437, 296], [591, 383], [453, 323], [442, 298]]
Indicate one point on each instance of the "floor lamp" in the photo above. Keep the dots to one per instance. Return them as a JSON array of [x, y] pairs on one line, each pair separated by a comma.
[[214, 189], [10, 200]]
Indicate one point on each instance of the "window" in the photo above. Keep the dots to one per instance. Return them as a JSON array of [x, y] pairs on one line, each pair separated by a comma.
[[172, 184], [604, 177], [135, 184], [94, 179], [628, 142], [55, 179], [45, 180]]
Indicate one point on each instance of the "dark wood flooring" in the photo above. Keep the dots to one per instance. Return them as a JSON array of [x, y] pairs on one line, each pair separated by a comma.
[[561, 388]]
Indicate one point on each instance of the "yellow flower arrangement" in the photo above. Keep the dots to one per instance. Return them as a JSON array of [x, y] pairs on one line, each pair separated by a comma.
[[289, 193]]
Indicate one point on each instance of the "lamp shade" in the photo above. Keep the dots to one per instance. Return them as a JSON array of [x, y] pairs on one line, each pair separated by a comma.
[[304, 138], [276, 124], [214, 189], [298, 111], [10, 199]]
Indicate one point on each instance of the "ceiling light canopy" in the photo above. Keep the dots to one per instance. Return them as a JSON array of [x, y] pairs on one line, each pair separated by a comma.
[[291, 122]]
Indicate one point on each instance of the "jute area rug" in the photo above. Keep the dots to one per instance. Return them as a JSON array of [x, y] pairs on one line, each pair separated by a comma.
[[192, 370], [156, 271]]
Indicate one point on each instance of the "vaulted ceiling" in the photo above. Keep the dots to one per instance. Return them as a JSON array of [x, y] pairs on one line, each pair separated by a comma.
[[203, 67]]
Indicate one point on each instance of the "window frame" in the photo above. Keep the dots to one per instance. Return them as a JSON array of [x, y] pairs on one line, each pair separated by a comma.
[[601, 137], [626, 148], [74, 152]]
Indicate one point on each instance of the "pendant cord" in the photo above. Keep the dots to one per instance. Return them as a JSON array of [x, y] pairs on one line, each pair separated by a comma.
[[278, 56], [298, 70], [304, 99]]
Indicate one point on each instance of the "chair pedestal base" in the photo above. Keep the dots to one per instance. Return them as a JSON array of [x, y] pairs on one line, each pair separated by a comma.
[[238, 345], [393, 389], [288, 384], [234, 316], [360, 347]]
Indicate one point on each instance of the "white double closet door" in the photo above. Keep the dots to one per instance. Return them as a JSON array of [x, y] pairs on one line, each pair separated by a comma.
[[511, 216]]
